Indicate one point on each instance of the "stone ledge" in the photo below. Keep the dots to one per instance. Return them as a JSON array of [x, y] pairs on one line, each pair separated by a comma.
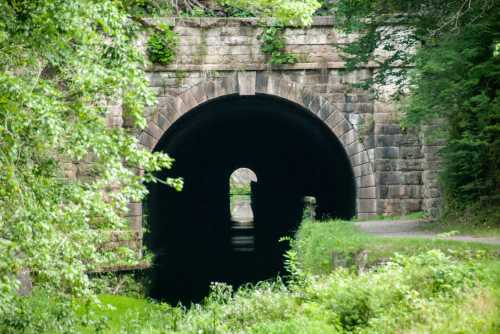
[[251, 67], [207, 22]]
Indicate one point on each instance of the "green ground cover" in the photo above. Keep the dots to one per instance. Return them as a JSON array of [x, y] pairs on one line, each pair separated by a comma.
[[317, 241], [464, 228], [410, 216], [409, 286]]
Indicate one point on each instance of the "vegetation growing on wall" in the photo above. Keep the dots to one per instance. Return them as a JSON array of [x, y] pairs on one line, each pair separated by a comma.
[[452, 78], [162, 45], [273, 45]]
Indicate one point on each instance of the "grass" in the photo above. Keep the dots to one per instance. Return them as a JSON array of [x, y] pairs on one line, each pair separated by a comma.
[[463, 228], [427, 293], [432, 286], [411, 216], [317, 241]]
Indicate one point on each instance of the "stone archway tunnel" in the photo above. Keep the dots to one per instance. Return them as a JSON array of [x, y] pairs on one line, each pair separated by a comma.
[[293, 154]]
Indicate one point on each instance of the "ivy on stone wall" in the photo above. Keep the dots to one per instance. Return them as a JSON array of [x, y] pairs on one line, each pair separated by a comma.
[[273, 45], [162, 46]]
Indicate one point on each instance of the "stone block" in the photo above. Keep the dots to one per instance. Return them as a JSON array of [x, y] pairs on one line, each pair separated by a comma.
[[334, 119], [382, 107], [386, 165], [411, 152], [429, 175], [349, 137], [325, 111], [354, 148], [366, 215], [134, 209], [366, 181], [348, 107], [412, 178], [199, 93], [135, 223], [387, 129], [364, 169], [230, 83], [431, 150], [386, 152], [154, 130], [261, 81], [411, 205], [389, 207], [385, 178], [360, 158], [431, 192], [341, 128], [367, 205], [315, 104], [410, 165], [362, 108], [400, 191], [367, 193], [246, 83], [388, 140], [432, 164], [147, 140]]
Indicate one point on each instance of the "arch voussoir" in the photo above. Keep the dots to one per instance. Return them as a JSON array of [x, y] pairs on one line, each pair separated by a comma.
[[276, 84]]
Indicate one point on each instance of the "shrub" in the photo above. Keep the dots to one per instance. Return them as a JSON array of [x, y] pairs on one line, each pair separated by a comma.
[[162, 45], [273, 45]]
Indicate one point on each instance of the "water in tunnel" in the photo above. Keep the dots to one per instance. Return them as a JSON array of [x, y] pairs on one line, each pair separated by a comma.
[[292, 153]]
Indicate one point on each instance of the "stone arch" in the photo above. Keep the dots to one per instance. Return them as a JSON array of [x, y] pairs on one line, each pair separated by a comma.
[[275, 84]]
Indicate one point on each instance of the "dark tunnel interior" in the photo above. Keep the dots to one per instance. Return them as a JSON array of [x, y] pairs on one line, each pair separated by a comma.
[[293, 154]]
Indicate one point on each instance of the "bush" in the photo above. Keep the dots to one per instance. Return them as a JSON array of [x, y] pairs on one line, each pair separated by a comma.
[[162, 45]]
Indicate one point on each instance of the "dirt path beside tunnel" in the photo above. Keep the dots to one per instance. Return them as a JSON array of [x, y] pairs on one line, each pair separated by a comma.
[[415, 229]]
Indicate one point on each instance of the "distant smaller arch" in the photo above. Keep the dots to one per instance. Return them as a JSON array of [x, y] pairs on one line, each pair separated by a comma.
[[240, 192]]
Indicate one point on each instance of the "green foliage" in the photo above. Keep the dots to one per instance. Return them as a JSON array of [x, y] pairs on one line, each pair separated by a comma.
[[240, 189], [125, 284], [452, 79], [147, 7], [63, 65], [162, 45], [425, 293], [198, 11], [316, 242], [232, 11], [273, 45], [286, 12], [48, 313]]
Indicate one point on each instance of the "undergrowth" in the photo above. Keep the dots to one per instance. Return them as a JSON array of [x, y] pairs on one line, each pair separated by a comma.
[[162, 46], [410, 286]]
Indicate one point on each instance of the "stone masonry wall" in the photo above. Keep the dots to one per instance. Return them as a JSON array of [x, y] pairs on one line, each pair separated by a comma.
[[395, 173]]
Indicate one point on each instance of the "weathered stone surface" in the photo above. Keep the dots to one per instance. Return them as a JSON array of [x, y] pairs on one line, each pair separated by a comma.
[[394, 171], [389, 178], [367, 205], [387, 152], [367, 193], [246, 83]]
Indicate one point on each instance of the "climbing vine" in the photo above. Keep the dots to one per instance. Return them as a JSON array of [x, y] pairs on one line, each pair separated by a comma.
[[273, 45], [162, 46]]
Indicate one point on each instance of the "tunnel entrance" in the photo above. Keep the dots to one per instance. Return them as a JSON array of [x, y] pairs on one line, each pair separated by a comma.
[[194, 233]]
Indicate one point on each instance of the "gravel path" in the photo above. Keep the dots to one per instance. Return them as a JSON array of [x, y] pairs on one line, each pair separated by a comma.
[[414, 229]]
